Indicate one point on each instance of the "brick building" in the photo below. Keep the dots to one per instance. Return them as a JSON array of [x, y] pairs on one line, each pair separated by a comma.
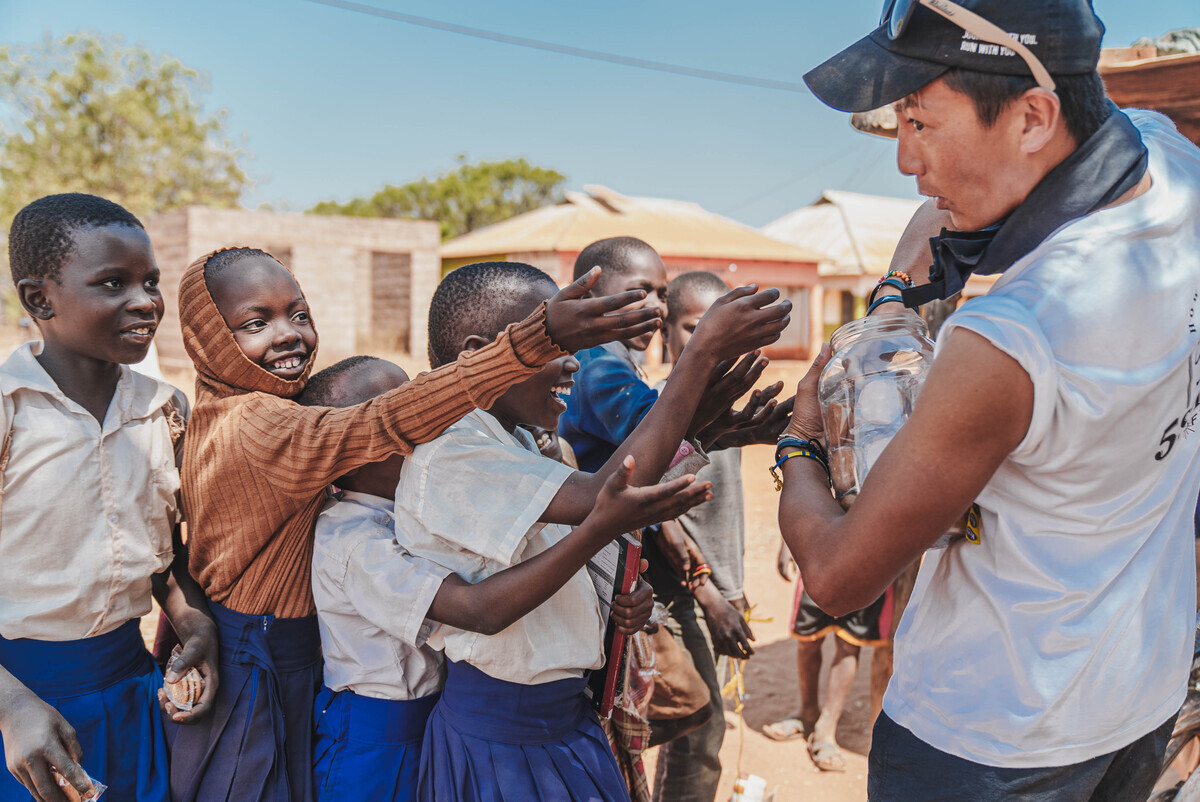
[[368, 281]]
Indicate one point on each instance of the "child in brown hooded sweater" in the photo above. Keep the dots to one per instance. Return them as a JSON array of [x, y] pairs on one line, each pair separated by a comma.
[[255, 468]]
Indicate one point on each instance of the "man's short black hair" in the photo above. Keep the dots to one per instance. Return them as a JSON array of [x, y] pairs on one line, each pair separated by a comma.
[[1085, 104], [611, 254], [331, 387], [479, 299], [42, 234], [221, 261], [689, 285]]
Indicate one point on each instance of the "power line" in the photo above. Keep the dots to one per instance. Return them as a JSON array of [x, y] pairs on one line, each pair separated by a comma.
[[594, 55]]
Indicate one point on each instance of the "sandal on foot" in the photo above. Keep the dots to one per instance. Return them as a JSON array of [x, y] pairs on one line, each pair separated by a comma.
[[787, 729], [826, 755]]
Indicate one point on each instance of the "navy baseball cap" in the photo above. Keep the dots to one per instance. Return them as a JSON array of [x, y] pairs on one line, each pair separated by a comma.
[[878, 70]]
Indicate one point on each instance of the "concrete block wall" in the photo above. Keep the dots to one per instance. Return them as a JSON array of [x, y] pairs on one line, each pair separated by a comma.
[[330, 255]]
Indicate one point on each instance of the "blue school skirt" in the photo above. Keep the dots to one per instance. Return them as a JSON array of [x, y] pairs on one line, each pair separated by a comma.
[[492, 740], [368, 748], [107, 688], [256, 745]]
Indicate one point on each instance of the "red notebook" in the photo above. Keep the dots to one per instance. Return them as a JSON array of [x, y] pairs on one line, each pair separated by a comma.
[[614, 571]]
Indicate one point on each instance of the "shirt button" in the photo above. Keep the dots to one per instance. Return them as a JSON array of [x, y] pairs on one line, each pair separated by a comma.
[[112, 519]]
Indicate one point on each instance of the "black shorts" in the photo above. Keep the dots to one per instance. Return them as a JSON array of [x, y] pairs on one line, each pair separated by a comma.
[[871, 626]]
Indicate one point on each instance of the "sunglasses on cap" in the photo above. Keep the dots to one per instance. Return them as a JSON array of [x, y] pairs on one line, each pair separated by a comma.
[[897, 13]]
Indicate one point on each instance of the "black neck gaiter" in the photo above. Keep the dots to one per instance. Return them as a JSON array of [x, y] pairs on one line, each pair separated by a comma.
[[1098, 172]]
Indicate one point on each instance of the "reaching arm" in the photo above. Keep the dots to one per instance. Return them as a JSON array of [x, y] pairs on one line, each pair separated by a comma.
[[494, 603], [330, 442], [974, 409], [739, 322]]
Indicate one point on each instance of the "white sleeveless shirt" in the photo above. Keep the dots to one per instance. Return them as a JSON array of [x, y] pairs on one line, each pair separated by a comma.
[[1067, 633]]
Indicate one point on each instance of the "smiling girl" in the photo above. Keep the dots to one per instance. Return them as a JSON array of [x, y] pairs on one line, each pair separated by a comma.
[[254, 474]]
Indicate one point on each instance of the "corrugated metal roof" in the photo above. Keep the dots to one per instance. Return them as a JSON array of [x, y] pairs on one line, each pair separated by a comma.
[[859, 232], [675, 229]]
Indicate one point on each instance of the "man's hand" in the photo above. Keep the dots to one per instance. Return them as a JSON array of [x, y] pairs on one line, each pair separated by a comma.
[[38, 739], [631, 611], [741, 321], [576, 323], [200, 653], [784, 563], [806, 415], [621, 507]]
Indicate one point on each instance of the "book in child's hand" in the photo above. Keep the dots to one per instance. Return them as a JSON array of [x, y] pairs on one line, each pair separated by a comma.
[[614, 572]]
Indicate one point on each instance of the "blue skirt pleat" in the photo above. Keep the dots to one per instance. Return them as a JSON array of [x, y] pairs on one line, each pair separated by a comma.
[[368, 748], [106, 687], [257, 745], [488, 740]]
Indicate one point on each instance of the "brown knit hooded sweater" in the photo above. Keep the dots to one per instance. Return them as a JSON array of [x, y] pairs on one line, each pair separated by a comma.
[[256, 464]]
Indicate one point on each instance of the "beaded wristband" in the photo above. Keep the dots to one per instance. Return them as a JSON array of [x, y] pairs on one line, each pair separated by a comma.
[[907, 279], [791, 441], [802, 452]]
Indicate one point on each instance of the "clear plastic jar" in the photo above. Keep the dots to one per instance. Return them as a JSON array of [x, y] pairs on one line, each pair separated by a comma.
[[867, 392]]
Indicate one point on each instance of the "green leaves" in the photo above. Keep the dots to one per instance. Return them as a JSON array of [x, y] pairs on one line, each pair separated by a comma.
[[469, 197], [88, 114]]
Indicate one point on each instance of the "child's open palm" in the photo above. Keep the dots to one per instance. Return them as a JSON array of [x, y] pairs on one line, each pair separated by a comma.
[[622, 507]]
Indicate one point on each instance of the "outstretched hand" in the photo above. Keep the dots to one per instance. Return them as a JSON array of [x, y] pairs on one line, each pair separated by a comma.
[[725, 387], [741, 321], [621, 507], [576, 323]]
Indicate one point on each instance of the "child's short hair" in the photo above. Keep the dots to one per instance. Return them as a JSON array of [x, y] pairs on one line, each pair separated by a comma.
[[689, 285], [220, 261], [478, 299], [334, 386], [41, 236], [612, 254]]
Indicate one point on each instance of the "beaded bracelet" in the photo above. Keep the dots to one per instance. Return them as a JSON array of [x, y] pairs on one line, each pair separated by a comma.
[[791, 441], [800, 452], [907, 279]]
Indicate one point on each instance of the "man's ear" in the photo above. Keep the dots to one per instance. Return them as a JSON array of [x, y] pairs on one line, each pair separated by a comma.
[[1042, 119], [32, 293], [473, 342]]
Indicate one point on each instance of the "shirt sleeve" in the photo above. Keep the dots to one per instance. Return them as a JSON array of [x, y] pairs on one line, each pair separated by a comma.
[[277, 434], [1011, 327], [616, 398], [478, 495], [392, 589]]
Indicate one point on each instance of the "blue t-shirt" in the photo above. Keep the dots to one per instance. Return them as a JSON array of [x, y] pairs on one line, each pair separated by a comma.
[[608, 401]]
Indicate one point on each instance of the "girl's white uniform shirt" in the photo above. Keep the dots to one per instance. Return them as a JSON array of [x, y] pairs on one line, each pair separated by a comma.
[[372, 643], [1067, 632], [470, 501], [86, 508]]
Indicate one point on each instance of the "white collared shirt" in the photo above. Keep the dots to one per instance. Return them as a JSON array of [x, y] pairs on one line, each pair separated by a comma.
[[470, 501], [87, 508], [372, 597]]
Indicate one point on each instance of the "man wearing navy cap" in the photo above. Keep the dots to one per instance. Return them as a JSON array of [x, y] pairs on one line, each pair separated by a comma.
[[1047, 658]]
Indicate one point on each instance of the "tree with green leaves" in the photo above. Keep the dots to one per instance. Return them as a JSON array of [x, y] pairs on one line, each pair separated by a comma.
[[89, 114], [469, 197]]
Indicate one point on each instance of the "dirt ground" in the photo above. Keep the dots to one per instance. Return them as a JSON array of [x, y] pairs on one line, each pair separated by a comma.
[[770, 676]]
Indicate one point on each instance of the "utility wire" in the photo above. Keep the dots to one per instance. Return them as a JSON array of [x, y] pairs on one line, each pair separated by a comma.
[[594, 55]]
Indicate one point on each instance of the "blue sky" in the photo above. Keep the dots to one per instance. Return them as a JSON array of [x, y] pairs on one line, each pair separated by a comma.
[[332, 104]]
